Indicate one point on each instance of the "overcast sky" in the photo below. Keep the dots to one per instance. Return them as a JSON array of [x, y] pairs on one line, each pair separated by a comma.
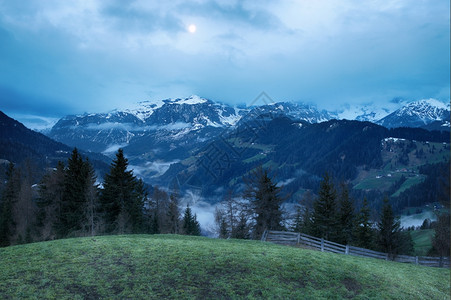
[[62, 57]]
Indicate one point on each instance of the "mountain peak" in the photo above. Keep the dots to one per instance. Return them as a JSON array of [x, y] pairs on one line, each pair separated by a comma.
[[417, 114], [193, 99], [431, 102]]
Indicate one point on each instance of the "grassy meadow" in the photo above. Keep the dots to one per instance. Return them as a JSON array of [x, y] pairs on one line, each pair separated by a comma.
[[182, 267]]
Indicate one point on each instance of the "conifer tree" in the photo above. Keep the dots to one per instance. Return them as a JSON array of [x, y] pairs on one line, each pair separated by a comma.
[[122, 198], [72, 219], [49, 202], [346, 217], [364, 235], [221, 222], [242, 230], [8, 199], [303, 217], [324, 219], [190, 224], [441, 240], [389, 230], [265, 201]]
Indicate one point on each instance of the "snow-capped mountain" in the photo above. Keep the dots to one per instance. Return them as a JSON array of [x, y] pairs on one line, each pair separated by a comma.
[[418, 114], [369, 112], [156, 134], [296, 111]]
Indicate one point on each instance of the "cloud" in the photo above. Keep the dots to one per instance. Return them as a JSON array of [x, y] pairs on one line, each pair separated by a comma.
[[111, 149], [135, 16], [241, 13], [98, 55]]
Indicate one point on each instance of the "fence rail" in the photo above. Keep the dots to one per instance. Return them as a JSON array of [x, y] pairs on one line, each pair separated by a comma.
[[294, 238]]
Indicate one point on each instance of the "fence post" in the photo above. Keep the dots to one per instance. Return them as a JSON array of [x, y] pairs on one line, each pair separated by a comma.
[[298, 241], [264, 235], [322, 245], [386, 256], [347, 250], [416, 260], [441, 262]]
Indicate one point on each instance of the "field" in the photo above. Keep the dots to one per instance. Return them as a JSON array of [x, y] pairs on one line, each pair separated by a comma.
[[422, 241], [401, 158], [171, 266]]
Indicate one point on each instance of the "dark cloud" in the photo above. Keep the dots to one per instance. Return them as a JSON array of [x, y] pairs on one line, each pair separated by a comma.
[[72, 57]]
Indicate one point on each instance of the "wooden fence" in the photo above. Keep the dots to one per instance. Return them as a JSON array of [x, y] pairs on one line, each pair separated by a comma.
[[295, 239]]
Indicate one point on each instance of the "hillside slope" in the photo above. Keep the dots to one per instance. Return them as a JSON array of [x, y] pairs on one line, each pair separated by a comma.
[[18, 143], [170, 266]]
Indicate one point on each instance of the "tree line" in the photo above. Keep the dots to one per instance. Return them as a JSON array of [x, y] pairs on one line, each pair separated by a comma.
[[69, 202], [332, 215]]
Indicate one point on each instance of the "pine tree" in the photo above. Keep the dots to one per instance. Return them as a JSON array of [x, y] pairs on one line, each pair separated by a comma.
[[242, 230], [221, 222], [389, 230], [441, 240], [49, 201], [346, 217], [79, 185], [364, 235], [325, 211], [265, 201], [9, 198], [122, 198], [190, 224], [71, 215], [303, 219]]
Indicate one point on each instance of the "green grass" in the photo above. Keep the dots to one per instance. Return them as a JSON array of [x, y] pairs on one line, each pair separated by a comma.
[[257, 157], [382, 183], [411, 181], [422, 241], [179, 267]]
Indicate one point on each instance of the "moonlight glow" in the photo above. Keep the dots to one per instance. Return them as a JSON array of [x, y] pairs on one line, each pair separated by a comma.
[[192, 28]]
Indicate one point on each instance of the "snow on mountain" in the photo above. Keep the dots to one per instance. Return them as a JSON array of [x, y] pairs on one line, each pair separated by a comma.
[[176, 119], [371, 113], [417, 114], [297, 111], [190, 100], [144, 109]]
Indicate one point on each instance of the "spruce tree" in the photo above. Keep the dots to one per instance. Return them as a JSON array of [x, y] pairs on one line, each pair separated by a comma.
[[190, 224], [389, 230], [8, 199], [79, 183], [242, 229], [346, 217], [221, 222], [49, 202], [265, 201], [122, 198], [364, 236], [441, 240], [324, 219]]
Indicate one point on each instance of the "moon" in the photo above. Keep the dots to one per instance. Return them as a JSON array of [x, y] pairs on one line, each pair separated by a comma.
[[192, 28]]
